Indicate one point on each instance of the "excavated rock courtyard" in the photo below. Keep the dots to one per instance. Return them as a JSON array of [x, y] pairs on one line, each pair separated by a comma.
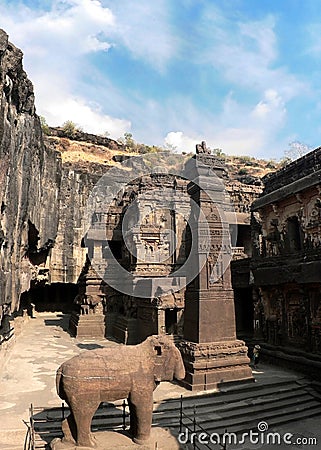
[[28, 376]]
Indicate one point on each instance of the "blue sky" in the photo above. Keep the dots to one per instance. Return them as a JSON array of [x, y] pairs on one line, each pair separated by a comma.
[[244, 75]]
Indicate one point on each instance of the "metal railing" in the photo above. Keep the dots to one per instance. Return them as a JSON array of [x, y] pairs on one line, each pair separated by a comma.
[[194, 428], [45, 423]]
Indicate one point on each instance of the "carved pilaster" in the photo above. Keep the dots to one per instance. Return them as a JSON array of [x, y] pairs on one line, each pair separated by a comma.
[[210, 350]]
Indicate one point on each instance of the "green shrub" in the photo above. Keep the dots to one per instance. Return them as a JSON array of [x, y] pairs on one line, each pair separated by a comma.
[[70, 128], [44, 126]]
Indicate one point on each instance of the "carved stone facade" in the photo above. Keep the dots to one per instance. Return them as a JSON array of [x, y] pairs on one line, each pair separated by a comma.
[[149, 244], [286, 233]]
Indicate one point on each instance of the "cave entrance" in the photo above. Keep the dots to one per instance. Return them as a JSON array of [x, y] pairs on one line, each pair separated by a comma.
[[56, 297]]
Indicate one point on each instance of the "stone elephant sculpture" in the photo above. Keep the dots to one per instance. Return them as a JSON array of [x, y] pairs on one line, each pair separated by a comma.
[[109, 374]]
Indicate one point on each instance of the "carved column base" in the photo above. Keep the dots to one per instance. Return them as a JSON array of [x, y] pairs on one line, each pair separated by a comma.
[[210, 365], [87, 325]]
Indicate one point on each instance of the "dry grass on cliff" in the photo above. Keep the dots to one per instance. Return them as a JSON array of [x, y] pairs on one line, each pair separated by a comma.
[[247, 165], [75, 151]]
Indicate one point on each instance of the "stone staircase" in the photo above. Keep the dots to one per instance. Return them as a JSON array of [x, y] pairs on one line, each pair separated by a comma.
[[242, 408], [236, 409]]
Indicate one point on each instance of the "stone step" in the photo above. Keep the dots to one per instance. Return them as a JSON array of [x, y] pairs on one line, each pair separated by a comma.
[[237, 409], [294, 400], [234, 407], [231, 397], [273, 420], [238, 414]]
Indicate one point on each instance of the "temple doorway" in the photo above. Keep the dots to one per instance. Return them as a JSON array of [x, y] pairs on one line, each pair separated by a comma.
[[171, 320]]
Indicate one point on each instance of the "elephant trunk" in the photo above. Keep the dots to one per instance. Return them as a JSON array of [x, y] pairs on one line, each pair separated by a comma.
[[60, 390]]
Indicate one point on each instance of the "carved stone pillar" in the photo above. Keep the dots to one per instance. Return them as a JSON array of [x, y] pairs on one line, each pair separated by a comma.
[[88, 319], [211, 352]]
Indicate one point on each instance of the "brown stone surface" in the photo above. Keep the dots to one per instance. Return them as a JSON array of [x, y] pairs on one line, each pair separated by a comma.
[[286, 229], [87, 325], [160, 438], [105, 375], [29, 183], [211, 353]]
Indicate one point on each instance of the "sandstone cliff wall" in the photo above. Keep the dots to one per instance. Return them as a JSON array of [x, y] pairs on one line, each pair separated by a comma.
[[29, 181], [42, 201], [67, 257]]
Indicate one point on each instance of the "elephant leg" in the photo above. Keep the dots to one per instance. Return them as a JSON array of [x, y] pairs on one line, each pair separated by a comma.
[[141, 413], [132, 418], [69, 430], [83, 417]]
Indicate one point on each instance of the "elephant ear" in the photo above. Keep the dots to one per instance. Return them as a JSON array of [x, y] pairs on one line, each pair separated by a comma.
[[160, 347]]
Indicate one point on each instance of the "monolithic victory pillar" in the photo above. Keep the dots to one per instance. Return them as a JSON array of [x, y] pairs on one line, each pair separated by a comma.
[[212, 354]]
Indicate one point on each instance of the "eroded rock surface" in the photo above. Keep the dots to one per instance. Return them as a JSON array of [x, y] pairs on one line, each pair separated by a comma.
[[29, 181]]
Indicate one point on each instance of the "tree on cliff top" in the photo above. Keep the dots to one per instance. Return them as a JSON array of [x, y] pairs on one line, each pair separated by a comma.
[[70, 128]]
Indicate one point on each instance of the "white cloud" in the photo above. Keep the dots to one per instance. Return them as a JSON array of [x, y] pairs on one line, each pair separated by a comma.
[[88, 116], [238, 129], [144, 28], [313, 34], [271, 108], [231, 140], [70, 28], [240, 141], [255, 128], [60, 43], [55, 44], [180, 141], [246, 54]]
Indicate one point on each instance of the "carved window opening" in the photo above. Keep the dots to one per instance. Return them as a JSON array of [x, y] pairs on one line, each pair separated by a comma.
[[244, 239], [294, 234], [233, 234], [171, 320]]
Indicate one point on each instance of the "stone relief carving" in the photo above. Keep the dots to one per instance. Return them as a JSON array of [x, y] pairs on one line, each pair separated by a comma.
[[202, 149]]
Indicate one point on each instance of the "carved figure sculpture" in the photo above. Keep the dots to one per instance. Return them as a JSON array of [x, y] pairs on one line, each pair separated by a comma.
[[109, 374], [202, 149]]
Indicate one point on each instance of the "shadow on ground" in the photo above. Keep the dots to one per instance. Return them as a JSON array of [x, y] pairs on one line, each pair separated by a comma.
[[89, 346], [62, 322]]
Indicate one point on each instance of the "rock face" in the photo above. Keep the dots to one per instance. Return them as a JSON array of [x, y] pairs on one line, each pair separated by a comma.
[[42, 200], [29, 182], [81, 136], [67, 257]]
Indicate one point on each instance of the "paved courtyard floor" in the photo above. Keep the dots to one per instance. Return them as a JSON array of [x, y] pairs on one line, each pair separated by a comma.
[[28, 376]]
